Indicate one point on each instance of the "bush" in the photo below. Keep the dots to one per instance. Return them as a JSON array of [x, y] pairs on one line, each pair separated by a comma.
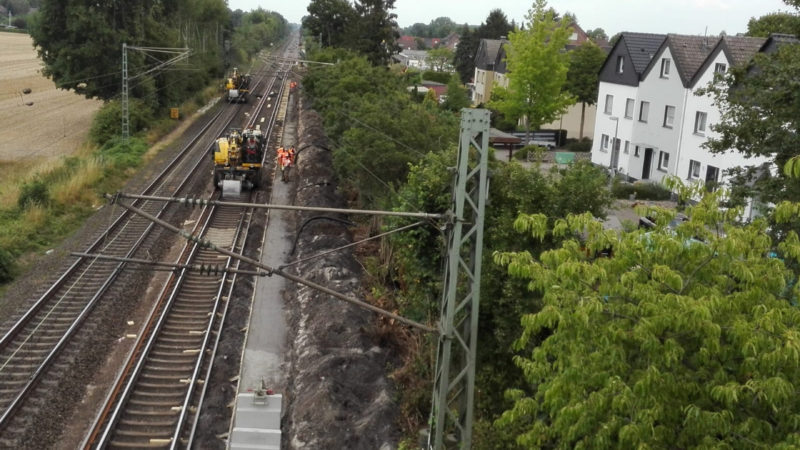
[[574, 145], [439, 77], [33, 192], [7, 266], [642, 190], [123, 156], [106, 124]]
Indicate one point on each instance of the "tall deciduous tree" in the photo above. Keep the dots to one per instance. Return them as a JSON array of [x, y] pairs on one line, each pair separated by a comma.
[[597, 34], [439, 58], [537, 70], [582, 77], [375, 31], [328, 21], [672, 342], [80, 42], [779, 22]]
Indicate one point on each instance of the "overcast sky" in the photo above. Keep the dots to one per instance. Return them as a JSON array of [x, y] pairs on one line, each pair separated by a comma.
[[653, 16]]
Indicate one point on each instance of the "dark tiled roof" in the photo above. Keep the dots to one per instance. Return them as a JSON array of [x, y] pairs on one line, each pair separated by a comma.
[[739, 50], [689, 53], [487, 53], [742, 48], [641, 48]]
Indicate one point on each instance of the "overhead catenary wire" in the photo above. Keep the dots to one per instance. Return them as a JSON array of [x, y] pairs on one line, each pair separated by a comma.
[[270, 270]]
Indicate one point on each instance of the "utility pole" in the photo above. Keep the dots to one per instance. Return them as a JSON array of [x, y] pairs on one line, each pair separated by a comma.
[[180, 54], [454, 382]]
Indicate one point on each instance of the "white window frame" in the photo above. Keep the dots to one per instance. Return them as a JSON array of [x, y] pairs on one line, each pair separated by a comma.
[[630, 106], [700, 118], [636, 151], [604, 142], [669, 119], [644, 111], [694, 170], [627, 149], [665, 67], [720, 68], [609, 105], [663, 161]]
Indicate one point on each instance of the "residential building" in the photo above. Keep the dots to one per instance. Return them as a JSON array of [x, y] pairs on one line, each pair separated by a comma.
[[653, 124], [416, 59], [490, 68]]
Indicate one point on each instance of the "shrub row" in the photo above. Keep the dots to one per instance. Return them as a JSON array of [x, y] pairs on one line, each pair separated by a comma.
[[642, 190]]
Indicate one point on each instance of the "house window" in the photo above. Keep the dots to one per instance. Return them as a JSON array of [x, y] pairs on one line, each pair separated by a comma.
[[669, 116], [694, 170], [636, 151], [604, 142], [629, 108], [609, 104], [663, 161], [620, 63], [627, 147], [644, 109], [665, 63], [720, 68], [700, 122]]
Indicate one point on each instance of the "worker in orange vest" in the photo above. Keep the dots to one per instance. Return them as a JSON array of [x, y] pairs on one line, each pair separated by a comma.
[[284, 162], [291, 153]]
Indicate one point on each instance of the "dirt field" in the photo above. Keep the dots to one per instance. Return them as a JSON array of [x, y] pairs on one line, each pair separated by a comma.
[[57, 122]]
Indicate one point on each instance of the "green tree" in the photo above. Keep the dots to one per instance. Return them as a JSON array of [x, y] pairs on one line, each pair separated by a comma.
[[464, 57], [597, 34], [439, 58], [457, 96], [418, 29], [496, 25], [328, 21], [582, 77], [779, 22], [537, 70], [672, 342], [374, 33], [80, 43], [441, 26]]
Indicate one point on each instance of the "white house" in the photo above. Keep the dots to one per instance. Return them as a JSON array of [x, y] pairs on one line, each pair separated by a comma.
[[657, 127]]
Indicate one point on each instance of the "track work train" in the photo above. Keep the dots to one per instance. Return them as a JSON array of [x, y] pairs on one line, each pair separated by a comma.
[[238, 159], [237, 87]]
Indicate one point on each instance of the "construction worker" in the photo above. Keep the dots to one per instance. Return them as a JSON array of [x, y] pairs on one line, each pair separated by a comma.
[[291, 153], [284, 162]]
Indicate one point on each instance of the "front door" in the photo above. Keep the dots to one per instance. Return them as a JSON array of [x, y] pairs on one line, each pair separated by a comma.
[[712, 176], [648, 159], [615, 155]]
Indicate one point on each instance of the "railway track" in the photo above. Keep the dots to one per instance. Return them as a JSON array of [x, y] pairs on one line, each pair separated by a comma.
[[156, 400], [35, 345]]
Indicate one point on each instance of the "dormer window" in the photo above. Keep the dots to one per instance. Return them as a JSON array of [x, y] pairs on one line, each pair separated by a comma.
[[620, 63], [665, 64]]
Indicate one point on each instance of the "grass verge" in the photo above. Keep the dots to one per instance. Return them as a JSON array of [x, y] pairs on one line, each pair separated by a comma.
[[41, 204]]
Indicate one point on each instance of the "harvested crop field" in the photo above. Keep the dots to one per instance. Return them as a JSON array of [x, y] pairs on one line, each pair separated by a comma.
[[46, 123]]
